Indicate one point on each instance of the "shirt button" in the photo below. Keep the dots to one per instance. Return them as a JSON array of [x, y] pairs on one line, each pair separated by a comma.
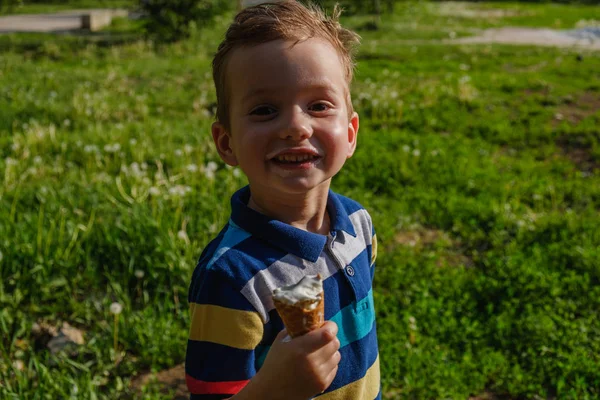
[[350, 270]]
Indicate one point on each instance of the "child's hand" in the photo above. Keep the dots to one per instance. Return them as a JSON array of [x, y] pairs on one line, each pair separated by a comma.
[[302, 367]]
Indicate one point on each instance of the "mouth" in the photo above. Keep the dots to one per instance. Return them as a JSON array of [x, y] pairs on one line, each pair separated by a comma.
[[296, 160]]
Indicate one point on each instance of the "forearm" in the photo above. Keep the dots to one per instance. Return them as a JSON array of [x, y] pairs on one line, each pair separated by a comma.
[[259, 388]]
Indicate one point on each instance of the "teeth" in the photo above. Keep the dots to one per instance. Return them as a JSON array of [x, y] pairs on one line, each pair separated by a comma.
[[294, 158]]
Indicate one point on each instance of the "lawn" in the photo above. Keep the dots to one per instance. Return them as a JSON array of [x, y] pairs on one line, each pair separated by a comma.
[[478, 163]]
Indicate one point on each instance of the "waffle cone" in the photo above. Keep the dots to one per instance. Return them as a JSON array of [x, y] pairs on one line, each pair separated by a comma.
[[298, 319]]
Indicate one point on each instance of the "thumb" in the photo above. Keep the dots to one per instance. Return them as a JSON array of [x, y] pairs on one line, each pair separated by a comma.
[[282, 336]]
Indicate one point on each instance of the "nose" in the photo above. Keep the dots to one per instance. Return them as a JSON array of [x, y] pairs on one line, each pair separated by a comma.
[[298, 125]]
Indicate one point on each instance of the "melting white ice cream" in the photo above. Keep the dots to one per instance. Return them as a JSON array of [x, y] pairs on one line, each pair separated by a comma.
[[308, 289]]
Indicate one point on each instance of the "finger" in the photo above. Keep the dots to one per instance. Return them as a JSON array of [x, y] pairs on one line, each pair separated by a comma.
[[315, 340], [331, 376], [331, 327], [281, 335]]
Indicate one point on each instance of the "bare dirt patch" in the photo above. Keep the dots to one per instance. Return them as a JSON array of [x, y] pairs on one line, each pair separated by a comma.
[[576, 110], [576, 149], [170, 381]]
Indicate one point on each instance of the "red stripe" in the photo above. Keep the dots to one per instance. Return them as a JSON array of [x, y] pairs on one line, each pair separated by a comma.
[[201, 387]]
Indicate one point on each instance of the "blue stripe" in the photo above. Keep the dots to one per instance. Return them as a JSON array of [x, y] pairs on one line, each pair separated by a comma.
[[357, 358], [233, 236], [215, 362], [261, 354], [356, 320]]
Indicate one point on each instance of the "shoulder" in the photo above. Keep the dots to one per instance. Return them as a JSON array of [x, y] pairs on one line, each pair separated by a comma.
[[358, 215], [228, 263]]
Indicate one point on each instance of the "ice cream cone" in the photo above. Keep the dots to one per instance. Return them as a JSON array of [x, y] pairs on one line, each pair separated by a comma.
[[299, 318], [301, 306]]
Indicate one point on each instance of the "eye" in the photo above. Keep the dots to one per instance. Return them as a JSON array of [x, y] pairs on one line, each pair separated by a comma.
[[320, 107], [263, 111]]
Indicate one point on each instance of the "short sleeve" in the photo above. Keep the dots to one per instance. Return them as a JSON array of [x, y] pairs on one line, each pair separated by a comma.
[[224, 333]]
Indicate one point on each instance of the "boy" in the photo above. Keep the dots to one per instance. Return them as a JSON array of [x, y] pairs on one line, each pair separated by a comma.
[[285, 117]]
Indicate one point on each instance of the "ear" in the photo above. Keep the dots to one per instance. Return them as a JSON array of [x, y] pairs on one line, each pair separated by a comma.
[[352, 134], [222, 140]]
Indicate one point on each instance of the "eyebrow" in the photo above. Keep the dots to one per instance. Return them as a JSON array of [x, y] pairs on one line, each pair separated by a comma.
[[317, 85]]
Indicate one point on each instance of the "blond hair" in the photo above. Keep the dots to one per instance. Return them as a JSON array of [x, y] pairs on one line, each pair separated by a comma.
[[284, 20]]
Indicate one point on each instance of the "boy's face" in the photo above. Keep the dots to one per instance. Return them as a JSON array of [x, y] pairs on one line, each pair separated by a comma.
[[290, 126]]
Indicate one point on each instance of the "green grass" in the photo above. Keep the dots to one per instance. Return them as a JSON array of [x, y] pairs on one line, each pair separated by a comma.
[[479, 165], [57, 6]]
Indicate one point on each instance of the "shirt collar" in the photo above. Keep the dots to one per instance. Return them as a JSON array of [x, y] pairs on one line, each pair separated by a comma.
[[303, 244]]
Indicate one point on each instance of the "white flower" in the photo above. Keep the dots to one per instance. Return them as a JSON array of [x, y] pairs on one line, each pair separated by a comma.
[[237, 172], [10, 161], [188, 149], [182, 235], [178, 152], [416, 152], [112, 148], [210, 174], [211, 166], [139, 273], [154, 191], [116, 308], [192, 168], [132, 142], [406, 148], [67, 122], [37, 160]]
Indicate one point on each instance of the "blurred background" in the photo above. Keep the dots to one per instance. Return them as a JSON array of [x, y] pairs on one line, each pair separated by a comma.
[[478, 158]]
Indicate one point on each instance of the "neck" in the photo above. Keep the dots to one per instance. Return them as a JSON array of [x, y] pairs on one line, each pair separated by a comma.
[[306, 211]]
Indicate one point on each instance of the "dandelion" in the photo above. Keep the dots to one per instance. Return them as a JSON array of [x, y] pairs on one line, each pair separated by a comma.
[[115, 309], [178, 152], [139, 273], [192, 168], [237, 172], [18, 365], [90, 148], [112, 148], [406, 148], [188, 149], [154, 191], [416, 152], [37, 160], [464, 67], [132, 142], [210, 175], [212, 166], [67, 122], [182, 235]]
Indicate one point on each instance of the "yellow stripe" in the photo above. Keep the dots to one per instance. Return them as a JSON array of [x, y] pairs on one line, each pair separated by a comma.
[[373, 249], [365, 388], [226, 326]]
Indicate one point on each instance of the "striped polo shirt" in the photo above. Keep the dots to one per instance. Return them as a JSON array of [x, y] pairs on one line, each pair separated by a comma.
[[233, 318]]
